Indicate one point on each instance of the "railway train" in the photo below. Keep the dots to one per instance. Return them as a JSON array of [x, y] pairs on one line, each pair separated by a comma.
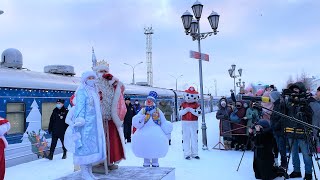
[[27, 98]]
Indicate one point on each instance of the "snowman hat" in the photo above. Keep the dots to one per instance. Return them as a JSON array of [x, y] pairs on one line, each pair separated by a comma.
[[153, 96]]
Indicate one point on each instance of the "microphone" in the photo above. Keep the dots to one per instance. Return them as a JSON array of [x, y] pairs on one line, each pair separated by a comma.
[[256, 98]]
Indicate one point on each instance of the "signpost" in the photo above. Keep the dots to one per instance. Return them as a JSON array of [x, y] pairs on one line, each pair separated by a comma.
[[196, 55]]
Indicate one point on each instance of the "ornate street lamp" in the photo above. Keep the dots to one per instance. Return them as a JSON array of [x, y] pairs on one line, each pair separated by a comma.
[[232, 74], [192, 28]]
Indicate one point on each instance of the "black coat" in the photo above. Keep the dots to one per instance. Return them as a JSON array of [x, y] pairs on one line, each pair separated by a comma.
[[57, 125], [294, 109], [263, 155], [129, 115], [277, 122]]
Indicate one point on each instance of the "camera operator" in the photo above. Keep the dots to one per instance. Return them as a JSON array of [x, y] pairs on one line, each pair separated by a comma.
[[315, 106], [263, 156], [299, 108], [277, 126]]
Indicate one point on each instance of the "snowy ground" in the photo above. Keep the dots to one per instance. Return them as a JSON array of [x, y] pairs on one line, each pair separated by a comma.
[[214, 164]]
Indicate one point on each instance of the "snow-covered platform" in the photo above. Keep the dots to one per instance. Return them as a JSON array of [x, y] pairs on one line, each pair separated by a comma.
[[131, 173]]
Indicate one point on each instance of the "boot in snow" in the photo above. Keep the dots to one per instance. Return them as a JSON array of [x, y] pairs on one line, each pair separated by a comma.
[[85, 172], [50, 157], [64, 156]]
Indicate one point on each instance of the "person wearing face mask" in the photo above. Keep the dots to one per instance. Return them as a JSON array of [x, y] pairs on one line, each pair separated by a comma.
[[136, 106], [90, 142], [225, 126], [58, 127]]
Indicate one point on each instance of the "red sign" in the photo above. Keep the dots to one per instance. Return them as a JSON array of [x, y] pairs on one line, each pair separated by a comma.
[[196, 55]]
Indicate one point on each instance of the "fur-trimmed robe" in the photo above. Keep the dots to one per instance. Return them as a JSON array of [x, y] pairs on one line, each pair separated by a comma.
[[113, 127], [4, 127]]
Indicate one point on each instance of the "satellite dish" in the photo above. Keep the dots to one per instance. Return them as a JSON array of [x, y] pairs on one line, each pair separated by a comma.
[[1, 12]]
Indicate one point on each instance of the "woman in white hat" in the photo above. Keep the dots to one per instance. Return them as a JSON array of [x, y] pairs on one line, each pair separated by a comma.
[[90, 143]]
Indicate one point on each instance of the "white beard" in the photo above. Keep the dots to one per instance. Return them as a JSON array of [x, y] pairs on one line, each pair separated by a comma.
[[107, 98]]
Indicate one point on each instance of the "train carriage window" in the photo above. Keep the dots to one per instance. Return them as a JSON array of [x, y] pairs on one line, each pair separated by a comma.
[[47, 109], [16, 117]]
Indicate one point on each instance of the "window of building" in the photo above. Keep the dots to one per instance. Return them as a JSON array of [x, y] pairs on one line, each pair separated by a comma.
[[47, 108], [16, 116]]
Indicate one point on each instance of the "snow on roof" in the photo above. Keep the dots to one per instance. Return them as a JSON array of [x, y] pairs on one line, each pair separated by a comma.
[[36, 80], [14, 78]]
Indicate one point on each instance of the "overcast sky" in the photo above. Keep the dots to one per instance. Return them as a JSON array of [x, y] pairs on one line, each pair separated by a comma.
[[269, 39]]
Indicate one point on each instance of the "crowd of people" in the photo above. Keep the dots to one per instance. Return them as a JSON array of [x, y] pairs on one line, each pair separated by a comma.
[[256, 125]]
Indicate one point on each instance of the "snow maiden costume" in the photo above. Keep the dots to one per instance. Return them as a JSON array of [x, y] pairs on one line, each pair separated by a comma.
[[150, 141], [4, 128], [90, 146], [190, 111]]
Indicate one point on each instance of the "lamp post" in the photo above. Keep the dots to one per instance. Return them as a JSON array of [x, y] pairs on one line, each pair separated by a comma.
[[192, 28], [232, 73], [133, 67], [176, 80], [215, 87], [208, 88], [241, 85]]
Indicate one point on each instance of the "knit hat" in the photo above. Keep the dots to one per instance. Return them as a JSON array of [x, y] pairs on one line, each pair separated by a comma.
[[153, 96], [274, 95], [264, 123]]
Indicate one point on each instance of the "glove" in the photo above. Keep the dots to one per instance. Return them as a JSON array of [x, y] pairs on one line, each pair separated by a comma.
[[107, 76], [226, 116]]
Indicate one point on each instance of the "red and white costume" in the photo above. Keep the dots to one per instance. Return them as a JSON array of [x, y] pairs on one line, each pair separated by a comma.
[[190, 111], [4, 128], [113, 110]]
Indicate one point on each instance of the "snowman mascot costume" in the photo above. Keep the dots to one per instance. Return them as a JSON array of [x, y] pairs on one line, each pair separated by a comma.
[[150, 141], [189, 112]]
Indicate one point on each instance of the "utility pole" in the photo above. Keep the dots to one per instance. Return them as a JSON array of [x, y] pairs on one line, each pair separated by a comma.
[[148, 32]]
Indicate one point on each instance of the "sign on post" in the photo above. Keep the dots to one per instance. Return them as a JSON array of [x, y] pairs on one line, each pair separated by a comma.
[[196, 55]]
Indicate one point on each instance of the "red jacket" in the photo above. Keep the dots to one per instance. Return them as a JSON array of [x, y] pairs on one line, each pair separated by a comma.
[[189, 116]]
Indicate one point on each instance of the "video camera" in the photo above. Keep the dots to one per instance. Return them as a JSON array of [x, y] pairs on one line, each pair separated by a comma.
[[296, 98]]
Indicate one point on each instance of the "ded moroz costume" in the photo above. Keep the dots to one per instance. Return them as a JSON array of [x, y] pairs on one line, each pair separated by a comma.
[[113, 109], [4, 128]]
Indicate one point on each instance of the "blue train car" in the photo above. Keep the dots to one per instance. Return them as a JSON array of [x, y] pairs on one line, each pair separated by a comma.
[[20, 88]]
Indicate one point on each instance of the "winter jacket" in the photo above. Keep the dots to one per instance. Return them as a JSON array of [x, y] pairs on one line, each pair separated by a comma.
[[277, 122], [223, 115], [57, 125], [239, 113], [166, 109], [315, 106], [292, 128], [136, 108], [252, 115], [129, 115], [263, 155]]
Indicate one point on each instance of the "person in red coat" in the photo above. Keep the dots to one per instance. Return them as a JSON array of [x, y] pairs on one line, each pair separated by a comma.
[[190, 110], [4, 128]]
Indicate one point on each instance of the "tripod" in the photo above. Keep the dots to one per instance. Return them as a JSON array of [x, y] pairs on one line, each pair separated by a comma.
[[306, 132]]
